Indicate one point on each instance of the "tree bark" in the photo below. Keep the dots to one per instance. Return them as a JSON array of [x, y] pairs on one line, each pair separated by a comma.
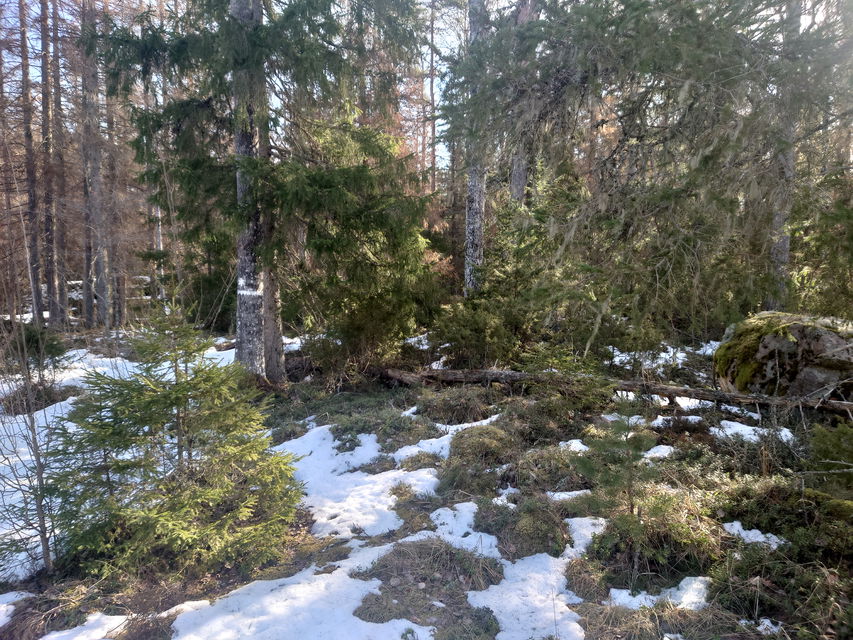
[[249, 89], [59, 184], [34, 229], [475, 203], [786, 158], [47, 171], [92, 169], [525, 11], [433, 168], [504, 376]]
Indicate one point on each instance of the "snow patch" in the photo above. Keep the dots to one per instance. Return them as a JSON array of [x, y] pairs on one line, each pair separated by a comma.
[[96, 627], [420, 342], [731, 429], [574, 445], [305, 605], [346, 502], [560, 496], [660, 451], [455, 525], [582, 531], [7, 604], [753, 535], [665, 421], [532, 600], [691, 593]]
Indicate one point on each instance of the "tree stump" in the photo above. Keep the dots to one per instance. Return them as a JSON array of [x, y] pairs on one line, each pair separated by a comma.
[[787, 355]]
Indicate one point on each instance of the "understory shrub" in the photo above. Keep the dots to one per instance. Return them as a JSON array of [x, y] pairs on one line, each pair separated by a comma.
[[812, 599], [816, 525], [170, 468], [669, 540]]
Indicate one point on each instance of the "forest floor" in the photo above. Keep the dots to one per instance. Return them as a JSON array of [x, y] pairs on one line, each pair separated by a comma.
[[484, 512]]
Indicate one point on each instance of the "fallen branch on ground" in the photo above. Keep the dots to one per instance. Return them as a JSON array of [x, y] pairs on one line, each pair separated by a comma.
[[485, 376]]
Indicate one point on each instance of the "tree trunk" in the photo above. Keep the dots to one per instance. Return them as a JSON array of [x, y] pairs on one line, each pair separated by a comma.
[[475, 203], [249, 105], [525, 11], [92, 169], [47, 177], [783, 196], [273, 347], [114, 257], [475, 213], [433, 168], [518, 174], [59, 184], [34, 229]]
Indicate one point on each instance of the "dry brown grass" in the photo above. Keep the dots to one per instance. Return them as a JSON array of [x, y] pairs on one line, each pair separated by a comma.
[[415, 575], [601, 622], [586, 578]]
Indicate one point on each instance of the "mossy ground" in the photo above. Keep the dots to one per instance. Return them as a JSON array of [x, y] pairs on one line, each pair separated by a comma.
[[775, 487]]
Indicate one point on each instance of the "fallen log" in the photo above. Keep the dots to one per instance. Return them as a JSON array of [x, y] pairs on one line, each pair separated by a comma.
[[504, 376]]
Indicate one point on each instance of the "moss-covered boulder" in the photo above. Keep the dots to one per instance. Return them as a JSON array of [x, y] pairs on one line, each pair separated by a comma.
[[785, 354]]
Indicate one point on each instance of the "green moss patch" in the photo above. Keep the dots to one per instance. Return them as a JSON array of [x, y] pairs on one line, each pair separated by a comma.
[[550, 469], [536, 525]]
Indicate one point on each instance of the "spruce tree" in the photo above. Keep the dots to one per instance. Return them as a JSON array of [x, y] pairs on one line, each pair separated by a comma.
[[171, 465]]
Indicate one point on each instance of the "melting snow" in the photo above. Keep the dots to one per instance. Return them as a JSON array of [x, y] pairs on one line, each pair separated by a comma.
[[753, 535], [660, 451], [665, 421], [346, 502], [419, 342], [7, 604], [96, 627], [532, 600], [439, 446], [691, 593], [574, 445], [560, 496], [456, 526], [741, 411], [730, 429], [305, 605], [582, 531], [502, 499]]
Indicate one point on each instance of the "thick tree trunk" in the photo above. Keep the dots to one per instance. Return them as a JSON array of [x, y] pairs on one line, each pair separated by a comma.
[[518, 174], [249, 92], [525, 11], [33, 226], [783, 196], [475, 212], [58, 165], [92, 170], [475, 203], [273, 347]]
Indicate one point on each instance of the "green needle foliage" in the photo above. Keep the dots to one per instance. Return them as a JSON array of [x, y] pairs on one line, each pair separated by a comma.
[[615, 462], [170, 467]]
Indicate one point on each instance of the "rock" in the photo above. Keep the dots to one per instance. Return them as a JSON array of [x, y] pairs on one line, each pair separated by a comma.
[[785, 354]]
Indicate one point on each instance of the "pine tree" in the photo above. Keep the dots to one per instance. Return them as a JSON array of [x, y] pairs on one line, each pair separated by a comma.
[[171, 463]]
